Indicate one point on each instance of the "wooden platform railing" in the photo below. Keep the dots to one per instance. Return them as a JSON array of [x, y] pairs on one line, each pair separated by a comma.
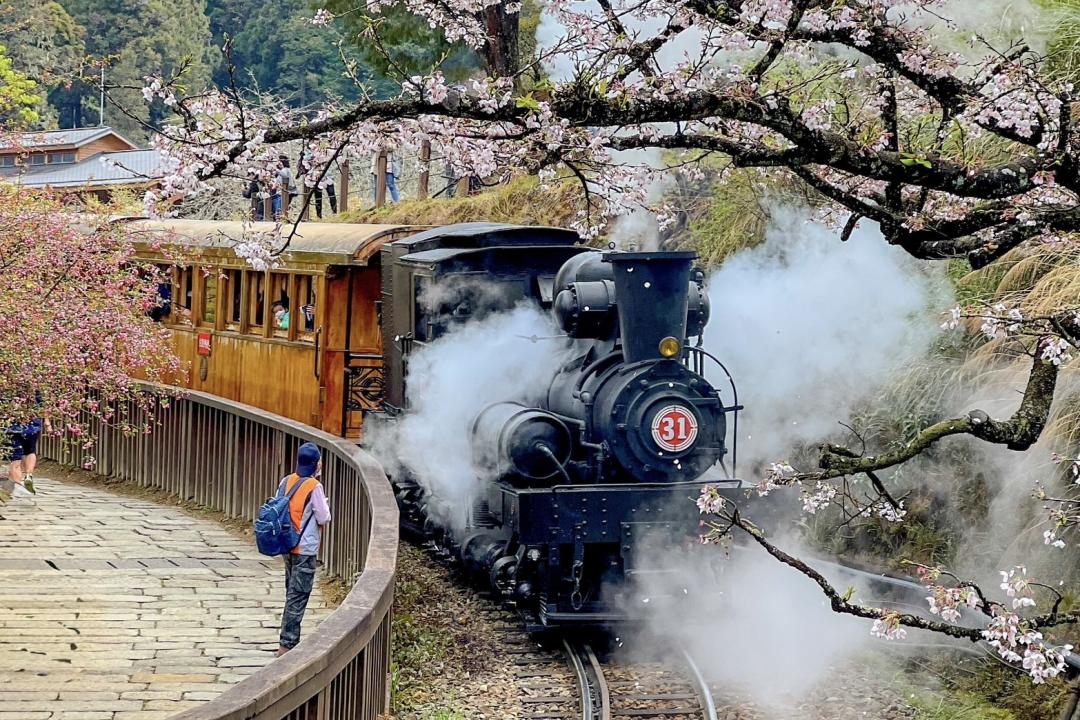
[[230, 457]]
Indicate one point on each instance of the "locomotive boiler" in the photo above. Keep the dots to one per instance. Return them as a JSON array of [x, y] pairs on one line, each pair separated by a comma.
[[608, 461]]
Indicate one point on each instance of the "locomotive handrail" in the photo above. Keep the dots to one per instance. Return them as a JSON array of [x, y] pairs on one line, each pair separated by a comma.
[[230, 457], [735, 405]]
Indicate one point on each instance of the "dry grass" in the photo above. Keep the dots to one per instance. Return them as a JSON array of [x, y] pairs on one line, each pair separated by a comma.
[[520, 201], [1041, 280]]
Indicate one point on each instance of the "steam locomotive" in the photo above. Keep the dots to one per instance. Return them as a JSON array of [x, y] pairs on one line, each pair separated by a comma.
[[607, 461]]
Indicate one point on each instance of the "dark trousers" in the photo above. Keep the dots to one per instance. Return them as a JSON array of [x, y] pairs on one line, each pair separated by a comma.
[[299, 579], [331, 194]]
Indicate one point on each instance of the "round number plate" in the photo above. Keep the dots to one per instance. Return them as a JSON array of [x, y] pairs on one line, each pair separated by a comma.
[[674, 428]]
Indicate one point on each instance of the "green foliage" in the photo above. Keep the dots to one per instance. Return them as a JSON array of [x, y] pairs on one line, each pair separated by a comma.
[[411, 46], [956, 706], [1063, 53], [138, 38], [275, 48], [44, 43], [18, 98], [731, 216], [986, 688]]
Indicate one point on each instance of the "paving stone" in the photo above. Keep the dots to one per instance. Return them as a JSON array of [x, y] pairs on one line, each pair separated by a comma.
[[113, 608]]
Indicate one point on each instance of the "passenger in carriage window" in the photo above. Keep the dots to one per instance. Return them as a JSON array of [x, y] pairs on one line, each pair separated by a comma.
[[309, 316], [281, 315], [162, 309]]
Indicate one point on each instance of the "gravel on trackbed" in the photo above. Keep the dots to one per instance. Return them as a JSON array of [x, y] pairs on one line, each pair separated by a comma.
[[450, 663]]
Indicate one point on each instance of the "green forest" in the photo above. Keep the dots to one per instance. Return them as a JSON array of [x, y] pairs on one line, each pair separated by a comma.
[[67, 46]]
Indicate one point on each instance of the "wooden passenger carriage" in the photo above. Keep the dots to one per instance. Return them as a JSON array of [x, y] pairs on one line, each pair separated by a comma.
[[326, 367]]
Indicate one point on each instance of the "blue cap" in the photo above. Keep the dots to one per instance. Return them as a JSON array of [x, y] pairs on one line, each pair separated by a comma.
[[307, 459]]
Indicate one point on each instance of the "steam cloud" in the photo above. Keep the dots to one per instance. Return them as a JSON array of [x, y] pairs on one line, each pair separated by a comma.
[[810, 326], [755, 624], [449, 382]]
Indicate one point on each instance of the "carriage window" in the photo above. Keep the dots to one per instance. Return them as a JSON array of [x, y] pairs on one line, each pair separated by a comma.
[[232, 291], [182, 295], [162, 279], [209, 296], [281, 310], [256, 301], [305, 314]]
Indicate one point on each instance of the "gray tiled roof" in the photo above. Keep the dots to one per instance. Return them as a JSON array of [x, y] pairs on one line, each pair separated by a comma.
[[112, 168], [55, 138]]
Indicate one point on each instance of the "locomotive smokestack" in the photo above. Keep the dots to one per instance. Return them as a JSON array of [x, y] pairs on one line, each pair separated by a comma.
[[651, 288]]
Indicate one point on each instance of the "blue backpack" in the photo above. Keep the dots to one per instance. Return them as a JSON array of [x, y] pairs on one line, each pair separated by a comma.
[[274, 531]]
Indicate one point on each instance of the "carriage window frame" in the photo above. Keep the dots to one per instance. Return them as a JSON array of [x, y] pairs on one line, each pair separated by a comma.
[[305, 290], [183, 296], [256, 311], [232, 300], [209, 297], [280, 284]]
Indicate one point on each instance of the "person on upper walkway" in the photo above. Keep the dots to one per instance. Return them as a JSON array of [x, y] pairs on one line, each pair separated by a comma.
[[309, 512]]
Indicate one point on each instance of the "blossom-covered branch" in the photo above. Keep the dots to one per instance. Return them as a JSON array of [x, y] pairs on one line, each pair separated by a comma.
[[740, 80]]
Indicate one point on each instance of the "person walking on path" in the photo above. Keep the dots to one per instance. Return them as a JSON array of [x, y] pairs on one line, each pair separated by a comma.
[[307, 504], [21, 446]]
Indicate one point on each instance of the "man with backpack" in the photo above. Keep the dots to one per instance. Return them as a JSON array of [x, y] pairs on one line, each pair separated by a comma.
[[290, 524]]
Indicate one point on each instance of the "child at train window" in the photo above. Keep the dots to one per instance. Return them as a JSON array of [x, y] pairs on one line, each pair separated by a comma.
[[281, 315]]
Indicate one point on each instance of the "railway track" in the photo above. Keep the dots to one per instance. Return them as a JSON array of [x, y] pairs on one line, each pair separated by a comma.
[[560, 678], [611, 690]]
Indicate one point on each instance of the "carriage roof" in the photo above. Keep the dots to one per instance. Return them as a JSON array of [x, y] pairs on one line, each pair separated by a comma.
[[313, 244]]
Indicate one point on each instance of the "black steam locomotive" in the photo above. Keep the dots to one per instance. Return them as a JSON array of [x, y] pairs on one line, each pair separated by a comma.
[[608, 460]]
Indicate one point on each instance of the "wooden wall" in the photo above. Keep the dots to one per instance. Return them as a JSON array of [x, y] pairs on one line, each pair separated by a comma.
[[275, 376], [109, 143]]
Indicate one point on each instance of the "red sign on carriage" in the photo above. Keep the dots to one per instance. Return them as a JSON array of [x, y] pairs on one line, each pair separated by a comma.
[[674, 428], [205, 343]]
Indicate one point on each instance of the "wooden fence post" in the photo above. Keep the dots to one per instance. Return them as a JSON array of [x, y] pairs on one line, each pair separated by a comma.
[[343, 186], [425, 170], [380, 180]]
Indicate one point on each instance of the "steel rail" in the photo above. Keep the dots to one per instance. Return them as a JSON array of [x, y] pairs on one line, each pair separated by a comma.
[[573, 659], [708, 706], [601, 683]]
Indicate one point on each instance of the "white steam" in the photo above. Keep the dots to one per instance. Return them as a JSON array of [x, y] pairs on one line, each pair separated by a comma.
[[449, 382], [755, 627], [809, 326]]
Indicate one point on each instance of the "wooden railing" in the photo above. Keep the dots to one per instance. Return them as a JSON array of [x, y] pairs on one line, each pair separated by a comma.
[[230, 457]]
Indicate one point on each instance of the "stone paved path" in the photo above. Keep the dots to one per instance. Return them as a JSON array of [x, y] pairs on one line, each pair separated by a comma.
[[115, 608]]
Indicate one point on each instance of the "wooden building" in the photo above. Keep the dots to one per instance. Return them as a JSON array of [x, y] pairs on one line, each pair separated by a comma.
[[82, 160]]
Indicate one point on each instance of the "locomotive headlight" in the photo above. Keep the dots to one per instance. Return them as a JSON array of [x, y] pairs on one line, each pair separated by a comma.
[[669, 347]]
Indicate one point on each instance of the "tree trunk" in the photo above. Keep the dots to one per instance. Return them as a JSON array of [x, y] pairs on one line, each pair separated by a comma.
[[500, 54]]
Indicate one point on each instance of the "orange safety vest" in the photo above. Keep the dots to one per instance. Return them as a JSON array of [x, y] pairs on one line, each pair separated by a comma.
[[299, 501]]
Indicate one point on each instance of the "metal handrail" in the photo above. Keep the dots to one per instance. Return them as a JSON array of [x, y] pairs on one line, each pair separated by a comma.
[[341, 670]]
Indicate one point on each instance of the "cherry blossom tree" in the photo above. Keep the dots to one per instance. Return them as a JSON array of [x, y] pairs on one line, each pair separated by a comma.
[[955, 147], [74, 323]]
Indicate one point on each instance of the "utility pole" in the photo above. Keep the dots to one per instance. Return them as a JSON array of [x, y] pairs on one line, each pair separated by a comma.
[[101, 101]]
